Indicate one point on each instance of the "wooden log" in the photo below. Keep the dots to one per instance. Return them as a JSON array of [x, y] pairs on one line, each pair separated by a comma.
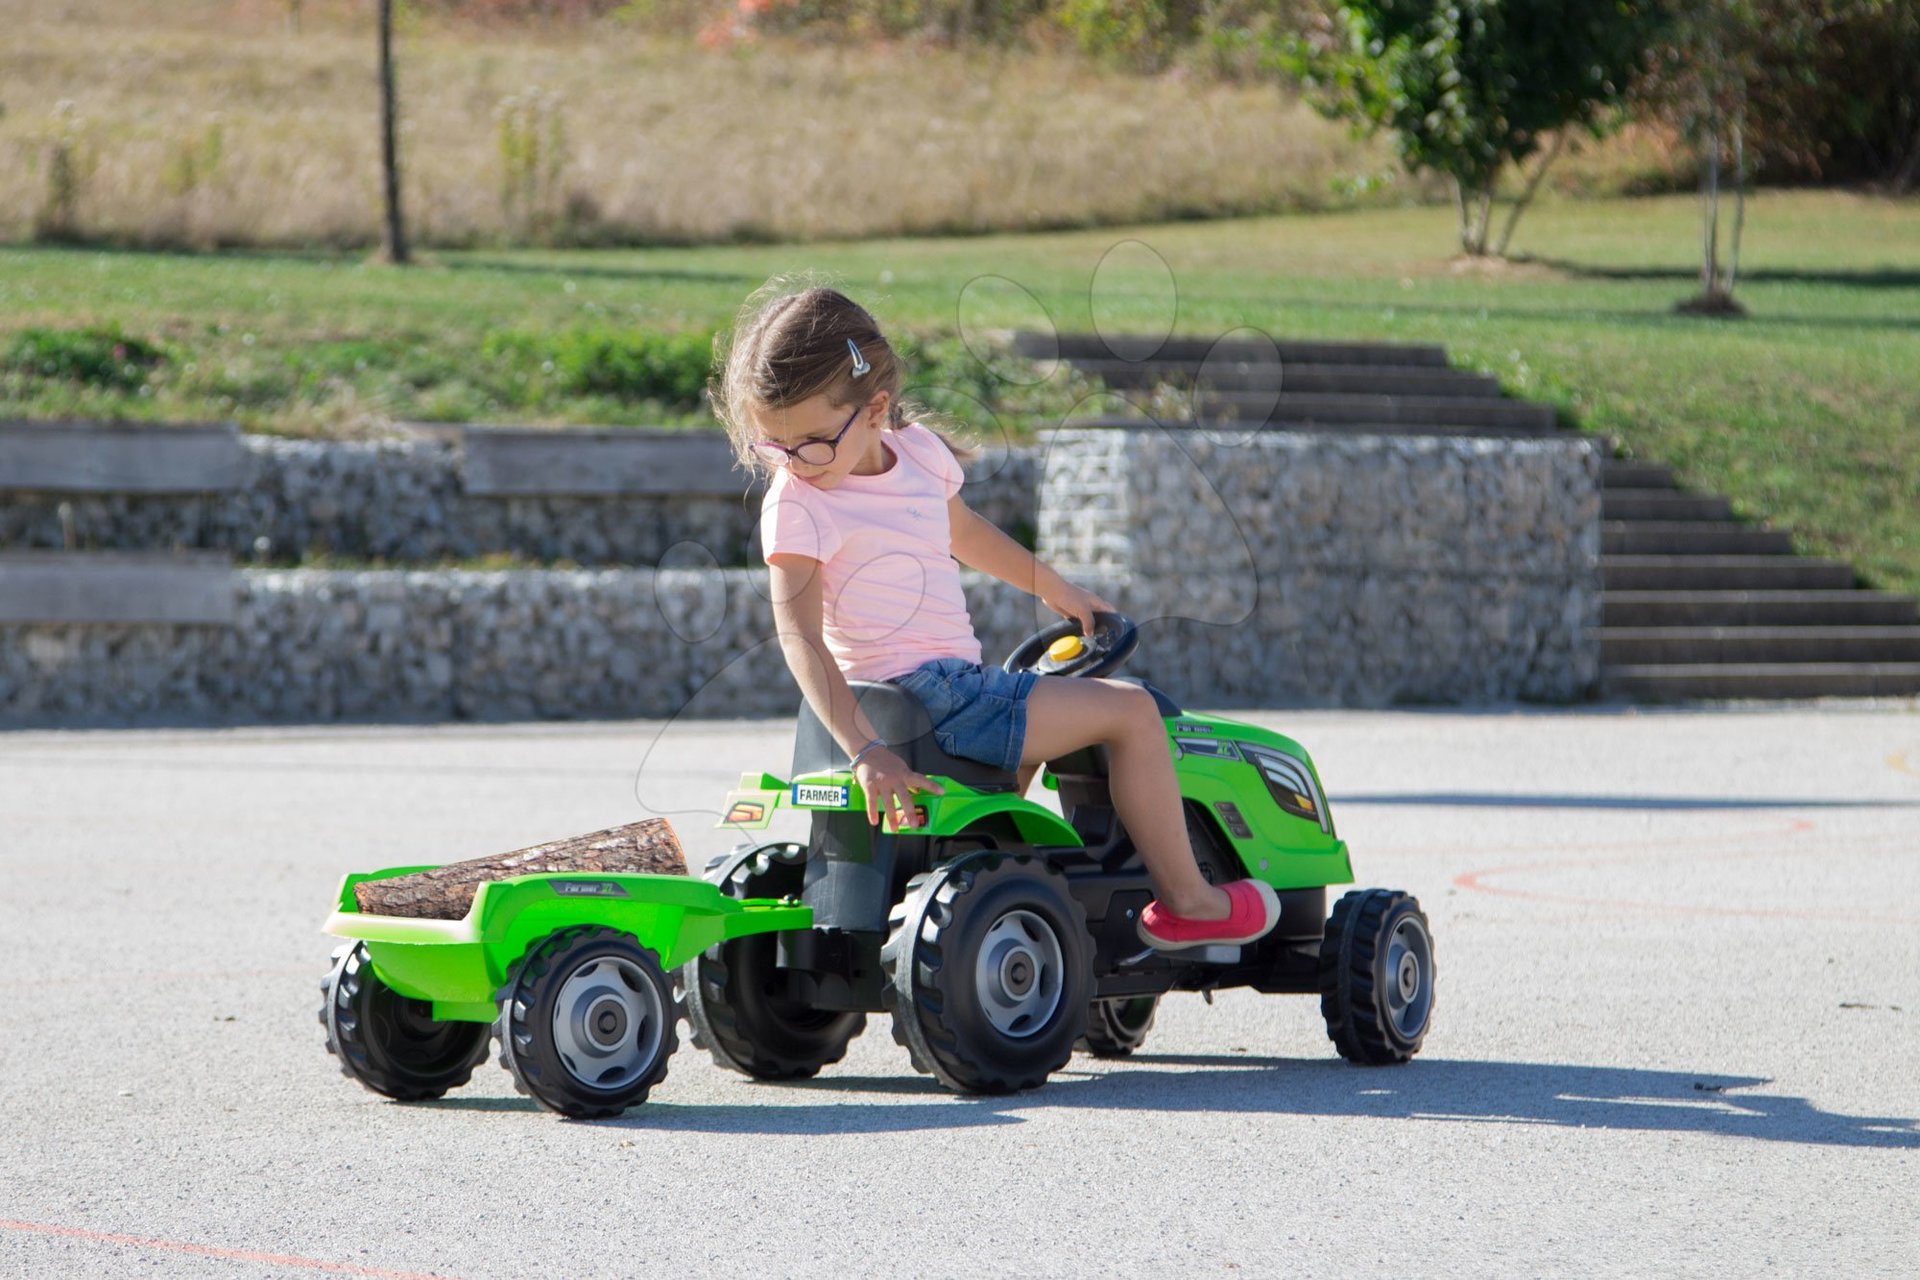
[[446, 893]]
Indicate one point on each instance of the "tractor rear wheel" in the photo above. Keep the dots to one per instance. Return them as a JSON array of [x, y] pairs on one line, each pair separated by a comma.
[[736, 997], [989, 972]]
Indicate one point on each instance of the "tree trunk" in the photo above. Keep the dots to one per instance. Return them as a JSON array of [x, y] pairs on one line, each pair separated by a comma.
[[647, 847], [1710, 199], [1460, 207], [1909, 168], [1526, 196], [1739, 207], [395, 235]]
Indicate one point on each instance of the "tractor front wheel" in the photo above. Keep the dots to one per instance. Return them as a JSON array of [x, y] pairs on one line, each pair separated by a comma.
[[1376, 976], [1118, 1025]]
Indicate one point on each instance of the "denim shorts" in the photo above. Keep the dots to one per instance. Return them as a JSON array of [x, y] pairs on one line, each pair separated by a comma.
[[978, 712]]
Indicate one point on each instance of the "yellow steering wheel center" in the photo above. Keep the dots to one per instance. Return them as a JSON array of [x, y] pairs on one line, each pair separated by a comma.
[[1066, 648]]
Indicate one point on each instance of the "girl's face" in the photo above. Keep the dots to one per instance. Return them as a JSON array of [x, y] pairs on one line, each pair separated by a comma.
[[817, 418]]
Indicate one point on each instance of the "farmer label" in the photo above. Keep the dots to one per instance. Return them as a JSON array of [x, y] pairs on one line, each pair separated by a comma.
[[588, 888], [819, 795]]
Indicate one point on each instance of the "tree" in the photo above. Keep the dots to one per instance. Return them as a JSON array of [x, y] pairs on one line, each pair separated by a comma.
[[1701, 80], [394, 239], [1468, 87]]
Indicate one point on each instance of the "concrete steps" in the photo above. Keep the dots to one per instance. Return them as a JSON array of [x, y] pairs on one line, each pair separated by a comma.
[[1242, 375], [1805, 608], [1194, 351], [1757, 646], [1695, 604], [1692, 681], [1723, 573], [1689, 537]]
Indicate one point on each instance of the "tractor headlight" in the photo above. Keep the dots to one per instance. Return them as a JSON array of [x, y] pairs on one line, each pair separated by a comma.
[[1291, 783]]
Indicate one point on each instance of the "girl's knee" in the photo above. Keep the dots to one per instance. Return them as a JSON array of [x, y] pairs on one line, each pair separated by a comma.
[[1134, 710]]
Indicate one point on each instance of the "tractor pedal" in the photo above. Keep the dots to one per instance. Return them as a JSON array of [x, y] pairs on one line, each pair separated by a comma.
[[1195, 955]]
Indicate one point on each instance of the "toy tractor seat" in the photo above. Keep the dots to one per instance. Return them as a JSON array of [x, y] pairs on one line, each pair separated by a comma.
[[899, 718]]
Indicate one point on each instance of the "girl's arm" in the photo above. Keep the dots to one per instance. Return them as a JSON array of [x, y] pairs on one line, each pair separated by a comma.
[[883, 776], [980, 544]]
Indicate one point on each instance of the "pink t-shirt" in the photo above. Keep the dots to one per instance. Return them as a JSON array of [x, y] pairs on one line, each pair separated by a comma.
[[891, 588]]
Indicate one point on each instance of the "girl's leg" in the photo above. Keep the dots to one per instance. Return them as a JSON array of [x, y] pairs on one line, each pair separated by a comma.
[[1066, 713]]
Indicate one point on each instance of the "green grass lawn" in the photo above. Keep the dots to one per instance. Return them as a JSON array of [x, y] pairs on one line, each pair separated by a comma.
[[1807, 412]]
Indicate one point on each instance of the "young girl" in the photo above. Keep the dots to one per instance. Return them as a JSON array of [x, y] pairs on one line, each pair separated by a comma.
[[861, 525]]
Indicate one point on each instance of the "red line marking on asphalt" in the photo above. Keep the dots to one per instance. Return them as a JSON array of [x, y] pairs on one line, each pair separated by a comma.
[[212, 1251], [1475, 881]]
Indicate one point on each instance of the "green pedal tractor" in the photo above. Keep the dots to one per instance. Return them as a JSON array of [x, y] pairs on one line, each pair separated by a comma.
[[997, 934]]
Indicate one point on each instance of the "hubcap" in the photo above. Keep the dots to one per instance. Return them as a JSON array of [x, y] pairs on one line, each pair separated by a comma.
[[1018, 974], [608, 1022], [1410, 988]]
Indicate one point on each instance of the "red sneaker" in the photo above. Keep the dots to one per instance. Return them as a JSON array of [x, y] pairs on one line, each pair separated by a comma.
[[1256, 909]]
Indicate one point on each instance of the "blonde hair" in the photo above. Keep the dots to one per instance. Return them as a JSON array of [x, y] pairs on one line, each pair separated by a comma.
[[788, 345]]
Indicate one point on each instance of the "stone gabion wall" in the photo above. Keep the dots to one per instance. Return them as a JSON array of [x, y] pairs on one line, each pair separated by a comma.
[[1278, 570], [1286, 568], [403, 501], [312, 645]]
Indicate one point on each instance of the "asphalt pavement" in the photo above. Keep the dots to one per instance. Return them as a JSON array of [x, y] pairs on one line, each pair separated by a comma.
[[1676, 1031]]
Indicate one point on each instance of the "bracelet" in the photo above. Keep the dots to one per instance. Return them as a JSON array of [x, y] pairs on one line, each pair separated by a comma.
[[863, 751]]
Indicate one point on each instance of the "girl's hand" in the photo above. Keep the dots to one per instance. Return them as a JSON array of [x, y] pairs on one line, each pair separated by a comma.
[[889, 784], [1070, 601]]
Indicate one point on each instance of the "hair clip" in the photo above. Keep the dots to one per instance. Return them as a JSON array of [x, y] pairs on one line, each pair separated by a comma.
[[860, 365]]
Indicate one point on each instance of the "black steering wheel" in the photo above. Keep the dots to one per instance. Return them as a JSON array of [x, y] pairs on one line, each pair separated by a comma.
[[1047, 652]]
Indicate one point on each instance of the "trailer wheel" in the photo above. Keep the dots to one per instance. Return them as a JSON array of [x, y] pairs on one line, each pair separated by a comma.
[[389, 1042], [586, 1023]]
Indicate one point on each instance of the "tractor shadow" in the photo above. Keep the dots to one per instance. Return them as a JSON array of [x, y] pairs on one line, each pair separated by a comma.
[[1563, 1096], [1427, 1090]]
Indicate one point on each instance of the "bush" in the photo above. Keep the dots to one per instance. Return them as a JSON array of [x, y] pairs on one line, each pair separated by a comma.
[[668, 368], [96, 356]]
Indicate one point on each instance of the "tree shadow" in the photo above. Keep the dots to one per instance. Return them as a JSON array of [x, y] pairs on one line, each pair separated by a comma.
[[593, 271], [1868, 278], [1621, 1099], [1656, 317]]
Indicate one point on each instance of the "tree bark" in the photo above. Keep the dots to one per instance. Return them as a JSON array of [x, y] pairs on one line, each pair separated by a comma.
[[1710, 200], [395, 234], [1739, 205], [1909, 168], [648, 847], [1526, 196]]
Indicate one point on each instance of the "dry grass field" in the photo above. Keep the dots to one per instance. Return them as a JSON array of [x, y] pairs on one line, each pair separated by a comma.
[[207, 123]]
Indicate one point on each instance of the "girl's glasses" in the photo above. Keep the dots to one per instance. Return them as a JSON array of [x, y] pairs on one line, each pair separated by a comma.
[[815, 453]]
